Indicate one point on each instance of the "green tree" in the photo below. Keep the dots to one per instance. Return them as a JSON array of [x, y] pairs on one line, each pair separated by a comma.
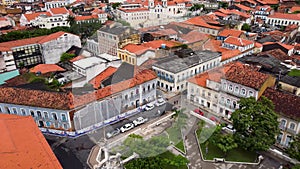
[[71, 20], [116, 5], [255, 123], [226, 143], [223, 5], [246, 27], [297, 166], [196, 7], [66, 56], [294, 149]]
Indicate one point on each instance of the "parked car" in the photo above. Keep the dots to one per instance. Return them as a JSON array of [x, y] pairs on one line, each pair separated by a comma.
[[149, 106], [139, 120], [229, 128], [160, 102], [127, 127], [113, 133], [198, 111]]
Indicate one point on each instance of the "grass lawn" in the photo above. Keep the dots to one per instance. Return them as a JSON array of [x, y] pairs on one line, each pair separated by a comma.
[[180, 146], [169, 155], [236, 154], [294, 72]]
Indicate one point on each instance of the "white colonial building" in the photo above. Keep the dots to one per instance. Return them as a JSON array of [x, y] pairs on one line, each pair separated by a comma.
[[243, 45], [283, 19], [52, 18], [173, 71]]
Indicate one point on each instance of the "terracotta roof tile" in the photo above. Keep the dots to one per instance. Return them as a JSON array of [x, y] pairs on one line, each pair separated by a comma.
[[288, 47], [201, 21], [23, 145], [32, 16], [76, 58], [276, 53], [230, 54], [294, 9], [82, 18], [246, 75], [243, 7], [136, 49], [214, 45], [57, 11], [238, 41], [46, 68], [242, 14], [268, 2], [285, 104], [220, 14], [194, 36], [35, 40], [231, 32], [285, 16], [214, 75], [133, 9], [96, 81], [68, 101]]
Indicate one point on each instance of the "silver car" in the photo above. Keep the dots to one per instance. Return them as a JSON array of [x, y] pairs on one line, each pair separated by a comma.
[[113, 133], [127, 127]]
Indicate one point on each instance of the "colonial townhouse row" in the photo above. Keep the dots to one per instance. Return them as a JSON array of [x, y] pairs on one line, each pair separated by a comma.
[[114, 95], [221, 88]]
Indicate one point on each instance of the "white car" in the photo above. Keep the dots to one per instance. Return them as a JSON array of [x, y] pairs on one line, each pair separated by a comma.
[[113, 133], [127, 127], [229, 128], [160, 102], [149, 106], [139, 120]]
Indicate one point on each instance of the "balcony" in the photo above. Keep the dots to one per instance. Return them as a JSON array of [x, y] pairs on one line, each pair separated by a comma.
[[292, 131]]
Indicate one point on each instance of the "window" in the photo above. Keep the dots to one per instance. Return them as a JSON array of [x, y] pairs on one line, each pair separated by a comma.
[[15, 110], [32, 113], [292, 126], [236, 89], [243, 91], [23, 112], [63, 117], [282, 123], [230, 87], [251, 93], [7, 110], [279, 138], [54, 116], [39, 114], [228, 101], [46, 115], [224, 86]]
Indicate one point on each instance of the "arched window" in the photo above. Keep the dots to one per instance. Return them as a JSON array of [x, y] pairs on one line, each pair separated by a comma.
[[292, 126], [282, 123]]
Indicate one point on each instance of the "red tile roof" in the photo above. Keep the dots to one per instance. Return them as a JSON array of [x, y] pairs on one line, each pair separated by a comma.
[[76, 58], [194, 36], [46, 68], [96, 81], [136, 49], [258, 45], [285, 104], [276, 53], [82, 18], [202, 22], [285, 16], [214, 45], [242, 14], [23, 145], [35, 40], [268, 2], [220, 14], [246, 75], [243, 7], [230, 54], [133, 9], [32, 16], [288, 47], [294, 9], [238, 41], [68, 101], [57, 11], [213, 75], [231, 32]]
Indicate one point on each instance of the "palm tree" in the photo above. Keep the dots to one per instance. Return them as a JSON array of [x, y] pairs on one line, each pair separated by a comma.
[[71, 20]]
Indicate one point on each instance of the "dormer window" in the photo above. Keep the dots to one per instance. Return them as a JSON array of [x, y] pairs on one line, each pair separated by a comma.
[[243, 91]]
